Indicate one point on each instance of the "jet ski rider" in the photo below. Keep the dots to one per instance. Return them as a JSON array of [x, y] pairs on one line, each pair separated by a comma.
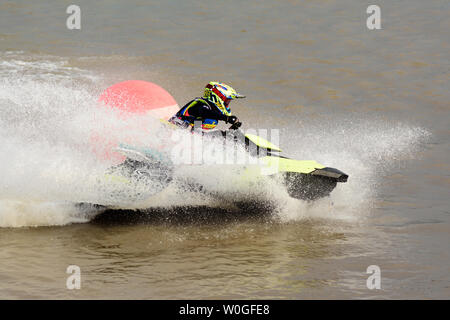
[[209, 109]]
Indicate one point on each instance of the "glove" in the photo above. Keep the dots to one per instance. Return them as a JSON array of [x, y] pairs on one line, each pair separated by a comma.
[[232, 119]]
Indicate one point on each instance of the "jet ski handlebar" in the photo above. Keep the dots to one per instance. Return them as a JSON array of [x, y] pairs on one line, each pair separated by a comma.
[[235, 126]]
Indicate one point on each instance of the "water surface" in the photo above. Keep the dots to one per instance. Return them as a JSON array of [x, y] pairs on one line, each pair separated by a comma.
[[374, 104]]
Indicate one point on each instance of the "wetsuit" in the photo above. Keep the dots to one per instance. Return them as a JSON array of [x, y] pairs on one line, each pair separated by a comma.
[[199, 109]]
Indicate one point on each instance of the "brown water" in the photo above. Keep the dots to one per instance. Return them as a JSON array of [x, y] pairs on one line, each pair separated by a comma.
[[374, 104]]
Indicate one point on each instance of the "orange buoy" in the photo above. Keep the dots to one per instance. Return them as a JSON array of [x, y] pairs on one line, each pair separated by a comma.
[[140, 97], [132, 97]]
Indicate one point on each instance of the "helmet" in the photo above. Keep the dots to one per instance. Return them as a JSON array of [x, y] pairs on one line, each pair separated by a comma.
[[221, 94]]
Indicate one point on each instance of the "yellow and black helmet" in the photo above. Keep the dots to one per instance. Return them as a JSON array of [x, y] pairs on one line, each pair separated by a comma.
[[221, 95]]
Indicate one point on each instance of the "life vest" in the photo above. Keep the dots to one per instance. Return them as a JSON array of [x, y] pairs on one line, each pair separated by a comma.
[[183, 114]]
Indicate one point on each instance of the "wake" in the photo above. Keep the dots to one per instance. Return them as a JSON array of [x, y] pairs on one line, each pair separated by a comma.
[[49, 163]]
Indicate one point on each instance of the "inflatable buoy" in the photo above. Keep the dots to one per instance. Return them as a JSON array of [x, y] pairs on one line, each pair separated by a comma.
[[140, 97], [130, 98]]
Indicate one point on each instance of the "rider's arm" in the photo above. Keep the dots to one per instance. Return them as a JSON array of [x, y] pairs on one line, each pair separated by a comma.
[[201, 111]]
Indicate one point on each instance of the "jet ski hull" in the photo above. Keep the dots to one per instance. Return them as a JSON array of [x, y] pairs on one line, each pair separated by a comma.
[[313, 186], [304, 179]]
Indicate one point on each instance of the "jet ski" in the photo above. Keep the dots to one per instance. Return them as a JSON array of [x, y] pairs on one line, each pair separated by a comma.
[[153, 170], [303, 179]]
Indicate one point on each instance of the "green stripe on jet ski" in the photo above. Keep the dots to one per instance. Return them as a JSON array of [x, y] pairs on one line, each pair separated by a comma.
[[262, 143], [291, 165]]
